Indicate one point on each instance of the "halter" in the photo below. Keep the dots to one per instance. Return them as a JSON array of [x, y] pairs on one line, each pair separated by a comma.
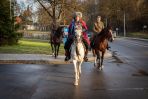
[[78, 33]]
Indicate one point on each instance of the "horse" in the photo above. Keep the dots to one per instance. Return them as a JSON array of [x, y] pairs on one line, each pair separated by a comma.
[[77, 54], [55, 41], [100, 45]]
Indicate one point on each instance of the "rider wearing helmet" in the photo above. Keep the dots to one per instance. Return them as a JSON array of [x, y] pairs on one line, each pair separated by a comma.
[[77, 21]]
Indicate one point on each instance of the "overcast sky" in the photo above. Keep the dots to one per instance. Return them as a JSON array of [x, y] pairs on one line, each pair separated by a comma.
[[21, 1]]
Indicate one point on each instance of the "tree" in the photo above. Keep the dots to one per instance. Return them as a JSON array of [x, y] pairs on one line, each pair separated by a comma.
[[7, 32], [58, 10], [43, 17], [114, 11], [27, 16]]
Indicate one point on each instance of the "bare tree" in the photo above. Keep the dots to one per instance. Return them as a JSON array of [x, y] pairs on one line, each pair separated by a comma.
[[59, 9]]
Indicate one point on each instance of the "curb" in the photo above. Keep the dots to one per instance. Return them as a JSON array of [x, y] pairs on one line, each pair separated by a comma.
[[47, 61], [32, 62]]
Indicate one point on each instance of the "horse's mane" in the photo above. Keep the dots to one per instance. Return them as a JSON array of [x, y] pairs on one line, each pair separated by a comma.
[[104, 33]]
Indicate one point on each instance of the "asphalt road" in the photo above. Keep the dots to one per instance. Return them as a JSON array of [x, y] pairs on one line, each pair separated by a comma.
[[132, 51], [123, 77]]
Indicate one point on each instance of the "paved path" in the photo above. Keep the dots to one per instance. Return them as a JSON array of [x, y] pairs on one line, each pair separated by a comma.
[[38, 58]]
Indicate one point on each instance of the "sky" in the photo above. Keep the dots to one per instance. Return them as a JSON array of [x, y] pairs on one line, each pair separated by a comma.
[[21, 1], [25, 3]]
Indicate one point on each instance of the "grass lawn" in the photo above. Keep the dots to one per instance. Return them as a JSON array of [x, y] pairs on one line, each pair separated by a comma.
[[138, 35], [30, 47]]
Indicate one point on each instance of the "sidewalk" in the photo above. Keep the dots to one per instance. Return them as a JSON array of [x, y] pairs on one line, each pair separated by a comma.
[[39, 58]]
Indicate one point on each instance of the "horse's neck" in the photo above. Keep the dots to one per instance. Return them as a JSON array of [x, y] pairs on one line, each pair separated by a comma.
[[57, 35], [101, 38], [77, 49], [79, 45]]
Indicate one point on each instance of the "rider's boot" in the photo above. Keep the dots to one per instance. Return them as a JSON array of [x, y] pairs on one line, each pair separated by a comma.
[[85, 57], [67, 54]]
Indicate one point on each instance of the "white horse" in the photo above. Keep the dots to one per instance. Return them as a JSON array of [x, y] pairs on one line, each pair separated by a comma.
[[77, 54]]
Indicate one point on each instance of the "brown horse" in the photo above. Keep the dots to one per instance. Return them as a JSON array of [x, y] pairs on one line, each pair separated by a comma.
[[55, 40], [100, 44]]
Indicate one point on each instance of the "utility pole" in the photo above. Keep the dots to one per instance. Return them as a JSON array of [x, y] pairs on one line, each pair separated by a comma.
[[124, 25], [10, 9]]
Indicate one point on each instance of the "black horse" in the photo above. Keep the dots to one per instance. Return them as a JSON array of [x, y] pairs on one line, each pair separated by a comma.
[[55, 40]]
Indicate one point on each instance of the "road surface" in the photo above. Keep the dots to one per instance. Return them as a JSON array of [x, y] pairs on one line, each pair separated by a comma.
[[123, 77]]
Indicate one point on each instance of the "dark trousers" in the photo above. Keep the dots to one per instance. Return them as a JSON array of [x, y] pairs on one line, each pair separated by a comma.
[[68, 45]]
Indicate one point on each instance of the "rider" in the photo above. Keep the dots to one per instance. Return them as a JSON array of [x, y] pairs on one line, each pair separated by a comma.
[[98, 26], [77, 21]]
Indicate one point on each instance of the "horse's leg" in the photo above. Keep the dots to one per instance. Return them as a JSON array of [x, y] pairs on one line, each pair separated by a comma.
[[98, 58], [80, 63], [55, 50], [52, 49], [102, 58], [94, 55], [58, 49], [76, 72], [99, 61]]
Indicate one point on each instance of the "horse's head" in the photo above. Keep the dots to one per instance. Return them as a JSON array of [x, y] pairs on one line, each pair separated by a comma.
[[109, 34], [59, 32], [78, 35], [106, 33], [57, 36]]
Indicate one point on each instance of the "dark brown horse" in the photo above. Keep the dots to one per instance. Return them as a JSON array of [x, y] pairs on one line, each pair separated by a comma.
[[55, 40], [100, 45]]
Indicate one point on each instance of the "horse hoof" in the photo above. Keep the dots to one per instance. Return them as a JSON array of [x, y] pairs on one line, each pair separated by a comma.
[[76, 83], [100, 68]]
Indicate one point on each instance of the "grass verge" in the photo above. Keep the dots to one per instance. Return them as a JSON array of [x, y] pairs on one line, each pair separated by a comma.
[[143, 35], [30, 47]]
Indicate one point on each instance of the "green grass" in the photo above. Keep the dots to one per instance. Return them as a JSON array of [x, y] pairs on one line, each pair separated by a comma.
[[139, 35], [30, 47]]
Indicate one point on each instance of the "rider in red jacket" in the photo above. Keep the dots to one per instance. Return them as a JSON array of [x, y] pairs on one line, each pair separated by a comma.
[[77, 20]]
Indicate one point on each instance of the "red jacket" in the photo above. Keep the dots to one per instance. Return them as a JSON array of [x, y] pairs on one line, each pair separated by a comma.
[[84, 26]]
